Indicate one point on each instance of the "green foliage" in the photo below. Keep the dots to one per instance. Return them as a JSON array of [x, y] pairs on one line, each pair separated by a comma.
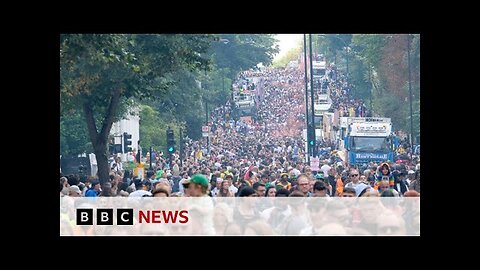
[[244, 51], [153, 128], [388, 105], [369, 46], [378, 71], [101, 74], [73, 135], [184, 104], [359, 78]]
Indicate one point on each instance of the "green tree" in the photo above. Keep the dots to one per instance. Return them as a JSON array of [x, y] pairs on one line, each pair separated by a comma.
[[100, 74], [244, 51], [153, 128], [384, 64], [73, 135]]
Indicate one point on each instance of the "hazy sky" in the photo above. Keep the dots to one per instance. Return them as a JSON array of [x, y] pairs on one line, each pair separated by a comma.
[[286, 42]]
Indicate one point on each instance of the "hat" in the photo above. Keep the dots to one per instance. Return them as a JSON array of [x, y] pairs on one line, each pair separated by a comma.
[[284, 174], [199, 179], [360, 188], [411, 172], [319, 176], [75, 189]]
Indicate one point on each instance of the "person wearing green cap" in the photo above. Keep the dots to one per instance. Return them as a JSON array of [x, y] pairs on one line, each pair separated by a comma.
[[159, 174], [198, 186]]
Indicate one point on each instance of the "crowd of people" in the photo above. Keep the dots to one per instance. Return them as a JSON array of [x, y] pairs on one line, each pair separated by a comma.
[[260, 156]]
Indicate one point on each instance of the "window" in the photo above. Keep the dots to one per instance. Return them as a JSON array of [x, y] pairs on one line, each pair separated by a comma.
[[370, 144]]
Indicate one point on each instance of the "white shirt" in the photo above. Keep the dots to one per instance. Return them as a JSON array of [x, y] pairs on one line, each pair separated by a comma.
[[233, 189], [325, 168]]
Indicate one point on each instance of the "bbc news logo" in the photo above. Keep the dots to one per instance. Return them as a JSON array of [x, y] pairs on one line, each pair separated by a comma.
[[124, 216]]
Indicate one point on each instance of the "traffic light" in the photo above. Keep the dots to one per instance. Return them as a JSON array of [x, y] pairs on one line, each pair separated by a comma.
[[170, 141], [127, 142], [311, 135]]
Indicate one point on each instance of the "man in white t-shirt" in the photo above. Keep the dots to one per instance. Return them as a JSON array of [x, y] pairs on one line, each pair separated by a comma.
[[233, 189], [325, 168]]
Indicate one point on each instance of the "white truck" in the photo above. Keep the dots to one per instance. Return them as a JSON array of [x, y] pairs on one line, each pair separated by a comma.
[[321, 106], [367, 139]]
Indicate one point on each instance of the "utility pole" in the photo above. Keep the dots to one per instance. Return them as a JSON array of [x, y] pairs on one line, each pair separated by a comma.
[[311, 96], [306, 95], [181, 147], [151, 168], [206, 112], [411, 101]]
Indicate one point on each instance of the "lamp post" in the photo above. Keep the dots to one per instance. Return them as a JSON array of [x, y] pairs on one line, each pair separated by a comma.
[[306, 95], [224, 41], [206, 111], [410, 90], [311, 96]]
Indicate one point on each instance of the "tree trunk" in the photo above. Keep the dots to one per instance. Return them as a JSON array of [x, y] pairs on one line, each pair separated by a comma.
[[99, 139], [100, 150]]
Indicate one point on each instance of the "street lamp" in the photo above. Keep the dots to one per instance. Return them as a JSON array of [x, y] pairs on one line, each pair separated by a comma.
[[410, 90], [313, 140], [306, 97], [224, 41]]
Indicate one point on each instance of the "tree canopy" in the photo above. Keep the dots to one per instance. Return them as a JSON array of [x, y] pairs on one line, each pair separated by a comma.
[[102, 74]]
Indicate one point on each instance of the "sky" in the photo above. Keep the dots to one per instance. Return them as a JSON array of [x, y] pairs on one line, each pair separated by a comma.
[[286, 42]]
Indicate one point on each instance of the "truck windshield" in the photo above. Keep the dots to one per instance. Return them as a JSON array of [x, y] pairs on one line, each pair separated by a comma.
[[370, 144], [318, 72]]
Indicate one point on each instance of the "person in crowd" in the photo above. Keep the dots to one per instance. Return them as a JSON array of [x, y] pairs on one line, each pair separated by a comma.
[[384, 173], [415, 184], [354, 179], [94, 189]]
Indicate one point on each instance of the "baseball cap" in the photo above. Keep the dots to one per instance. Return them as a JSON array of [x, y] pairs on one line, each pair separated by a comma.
[[199, 179], [75, 189]]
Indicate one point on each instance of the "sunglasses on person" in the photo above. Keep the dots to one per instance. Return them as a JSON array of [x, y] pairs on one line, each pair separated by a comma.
[[353, 175]]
